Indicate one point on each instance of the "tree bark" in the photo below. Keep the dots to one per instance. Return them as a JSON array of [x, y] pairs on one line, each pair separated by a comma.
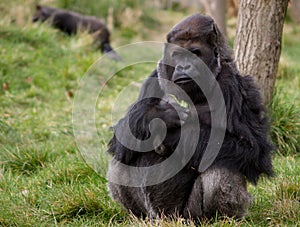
[[258, 41]]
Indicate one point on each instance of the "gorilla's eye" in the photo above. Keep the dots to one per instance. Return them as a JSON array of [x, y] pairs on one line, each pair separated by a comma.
[[196, 51], [176, 53]]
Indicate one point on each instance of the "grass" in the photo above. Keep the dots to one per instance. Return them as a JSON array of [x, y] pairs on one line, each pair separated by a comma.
[[44, 180], [285, 125]]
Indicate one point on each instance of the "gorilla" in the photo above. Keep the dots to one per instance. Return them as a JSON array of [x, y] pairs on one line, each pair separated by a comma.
[[69, 22], [243, 155]]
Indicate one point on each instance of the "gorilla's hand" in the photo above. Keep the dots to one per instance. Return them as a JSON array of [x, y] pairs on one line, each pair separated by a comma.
[[172, 117]]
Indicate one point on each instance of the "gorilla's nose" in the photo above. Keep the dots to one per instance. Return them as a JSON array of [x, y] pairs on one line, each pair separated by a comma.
[[182, 68]]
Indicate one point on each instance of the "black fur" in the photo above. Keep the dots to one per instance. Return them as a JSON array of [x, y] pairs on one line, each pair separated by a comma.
[[245, 153], [69, 22]]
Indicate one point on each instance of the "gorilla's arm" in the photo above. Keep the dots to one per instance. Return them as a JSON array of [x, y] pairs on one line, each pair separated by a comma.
[[247, 125], [148, 107]]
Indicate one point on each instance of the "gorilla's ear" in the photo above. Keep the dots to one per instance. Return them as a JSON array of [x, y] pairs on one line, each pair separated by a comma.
[[165, 66], [164, 70], [214, 40], [169, 35], [216, 36]]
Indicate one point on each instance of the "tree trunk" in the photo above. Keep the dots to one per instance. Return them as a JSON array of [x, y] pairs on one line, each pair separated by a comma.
[[217, 10], [258, 41]]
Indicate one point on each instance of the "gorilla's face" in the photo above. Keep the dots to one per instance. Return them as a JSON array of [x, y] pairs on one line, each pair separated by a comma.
[[191, 43], [182, 65], [207, 53]]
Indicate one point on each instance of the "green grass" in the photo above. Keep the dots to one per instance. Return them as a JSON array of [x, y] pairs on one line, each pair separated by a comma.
[[285, 106], [100, 9], [285, 125], [44, 180]]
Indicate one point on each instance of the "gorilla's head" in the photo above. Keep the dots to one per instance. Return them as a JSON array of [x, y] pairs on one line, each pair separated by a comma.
[[200, 36], [42, 13]]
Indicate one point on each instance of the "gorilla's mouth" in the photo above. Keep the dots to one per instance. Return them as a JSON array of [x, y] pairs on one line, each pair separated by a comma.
[[182, 79]]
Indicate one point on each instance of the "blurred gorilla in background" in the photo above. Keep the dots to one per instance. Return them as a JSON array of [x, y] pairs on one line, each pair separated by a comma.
[[245, 152], [71, 22]]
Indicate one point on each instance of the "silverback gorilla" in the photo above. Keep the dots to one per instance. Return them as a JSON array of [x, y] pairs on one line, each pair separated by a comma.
[[69, 22], [245, 152]]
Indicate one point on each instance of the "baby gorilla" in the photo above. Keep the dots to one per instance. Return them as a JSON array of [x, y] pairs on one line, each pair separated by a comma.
[[245, 151]]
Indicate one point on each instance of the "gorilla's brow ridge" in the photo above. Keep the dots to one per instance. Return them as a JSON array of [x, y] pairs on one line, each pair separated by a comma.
[[182, 35]]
